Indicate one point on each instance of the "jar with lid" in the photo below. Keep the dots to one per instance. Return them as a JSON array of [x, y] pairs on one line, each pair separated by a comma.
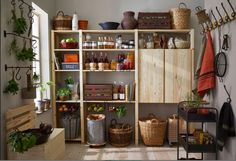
[[101, 62], [118, 42], [150, 42], [113, 64], [105, 43], [94, 45], [111, 44], [93, 62], [121, 91]]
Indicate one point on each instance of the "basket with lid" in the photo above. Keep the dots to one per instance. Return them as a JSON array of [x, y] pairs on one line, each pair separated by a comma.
[[152, 130], [62, 21], [180, 17], [120, 134]]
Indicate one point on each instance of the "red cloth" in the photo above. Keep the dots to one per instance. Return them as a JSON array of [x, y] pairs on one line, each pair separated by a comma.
[[207, 79]]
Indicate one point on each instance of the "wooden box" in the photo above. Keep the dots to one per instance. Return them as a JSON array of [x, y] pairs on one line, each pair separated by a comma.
[[154, 20], [68, 58], [98, 92], [53, 149]]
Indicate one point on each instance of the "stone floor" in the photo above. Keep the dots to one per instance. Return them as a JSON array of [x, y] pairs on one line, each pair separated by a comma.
[[75, 151]]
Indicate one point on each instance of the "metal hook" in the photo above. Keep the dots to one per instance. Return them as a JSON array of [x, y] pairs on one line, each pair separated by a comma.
[[17, 76], [221, 18], [229, 98], [233, 14], [28, 71], [215, 23], [227, 18]]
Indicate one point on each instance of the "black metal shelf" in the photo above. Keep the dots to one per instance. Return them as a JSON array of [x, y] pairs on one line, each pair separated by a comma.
[[196, 148]]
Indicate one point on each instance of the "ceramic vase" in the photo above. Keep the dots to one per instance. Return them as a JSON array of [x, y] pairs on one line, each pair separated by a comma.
[[129, 22]]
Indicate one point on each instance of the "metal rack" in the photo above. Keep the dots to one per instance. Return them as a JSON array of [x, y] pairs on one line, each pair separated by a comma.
[[191, 115]]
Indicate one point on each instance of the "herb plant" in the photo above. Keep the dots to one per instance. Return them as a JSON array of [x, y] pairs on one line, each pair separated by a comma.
[[120, 111], [12, 87], [69, 80], [62, 92], [44, 87], [19, 24], [14, 49]]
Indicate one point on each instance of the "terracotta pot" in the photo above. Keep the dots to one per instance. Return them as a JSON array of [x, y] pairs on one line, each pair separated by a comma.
[[129, 22], [83, 24], [63, 98], [203, 111]]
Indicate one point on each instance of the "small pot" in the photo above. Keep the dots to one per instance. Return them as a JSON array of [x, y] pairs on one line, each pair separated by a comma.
[[63, 98], [83, 24], [40, 105], [47, 103]]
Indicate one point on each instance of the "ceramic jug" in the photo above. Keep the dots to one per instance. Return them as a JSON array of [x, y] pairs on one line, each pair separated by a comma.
[[129, 22]]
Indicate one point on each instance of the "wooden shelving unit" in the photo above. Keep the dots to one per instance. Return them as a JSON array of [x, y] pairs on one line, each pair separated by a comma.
[[164, 85]]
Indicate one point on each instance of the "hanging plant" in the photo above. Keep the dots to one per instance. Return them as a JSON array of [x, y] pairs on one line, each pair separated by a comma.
[[19, 24], [35, 77], [14, 49], [26, 54], [12, 87], [120, 111]]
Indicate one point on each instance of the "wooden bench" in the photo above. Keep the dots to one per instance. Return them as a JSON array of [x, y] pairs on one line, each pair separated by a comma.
[[23, 118]]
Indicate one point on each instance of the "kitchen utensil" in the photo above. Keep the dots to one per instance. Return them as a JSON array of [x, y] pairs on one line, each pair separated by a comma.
[[109, 25]]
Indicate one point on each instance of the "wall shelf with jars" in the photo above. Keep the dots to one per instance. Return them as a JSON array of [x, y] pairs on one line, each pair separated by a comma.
[[121, 63]]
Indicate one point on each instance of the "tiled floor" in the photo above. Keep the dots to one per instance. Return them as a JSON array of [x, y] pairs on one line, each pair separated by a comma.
[[75, 151]]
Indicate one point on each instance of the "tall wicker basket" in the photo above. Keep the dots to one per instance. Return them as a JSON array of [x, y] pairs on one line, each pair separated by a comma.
[[120, 134], [62, 22], [152, 130], [180, 17]]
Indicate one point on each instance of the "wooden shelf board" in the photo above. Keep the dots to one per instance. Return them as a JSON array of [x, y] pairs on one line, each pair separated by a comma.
[[108, 70], [165, 30], [108, 50], [113, 101], [66, 31], [67, 70], [108, 31], [62, 50], [68, 101]]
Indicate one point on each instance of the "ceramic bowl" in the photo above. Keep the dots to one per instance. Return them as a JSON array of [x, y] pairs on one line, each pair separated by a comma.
[[109, 25]]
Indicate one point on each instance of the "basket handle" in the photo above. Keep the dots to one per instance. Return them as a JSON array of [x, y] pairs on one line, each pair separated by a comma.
[[182, 5], [174, 116], [125, 126], [154, 121], [198, 8], [61, 13], [151, 115], [113, 121]]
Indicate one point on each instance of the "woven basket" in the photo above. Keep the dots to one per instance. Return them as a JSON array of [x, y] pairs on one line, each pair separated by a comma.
[[180, 17], [152, 130], [182, 44], [62, 22], [120, 134]]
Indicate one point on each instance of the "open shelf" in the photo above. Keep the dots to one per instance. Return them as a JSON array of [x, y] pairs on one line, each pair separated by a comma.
[[108, 31], [66, 50], [109, 70], [108, 50], [104, 101], [68, 101], [75, 70]]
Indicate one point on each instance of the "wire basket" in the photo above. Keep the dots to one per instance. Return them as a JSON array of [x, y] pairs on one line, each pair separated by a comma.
[[152, 130]]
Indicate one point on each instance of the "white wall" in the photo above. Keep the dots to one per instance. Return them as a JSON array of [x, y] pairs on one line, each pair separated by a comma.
[[9, 101], [230, 77]]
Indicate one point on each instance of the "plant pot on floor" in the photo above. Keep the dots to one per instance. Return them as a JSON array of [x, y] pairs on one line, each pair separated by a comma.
[[40, 104], [47, 103]]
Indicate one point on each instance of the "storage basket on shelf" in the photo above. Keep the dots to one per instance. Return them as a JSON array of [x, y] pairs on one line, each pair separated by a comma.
[[120, 134], [180, 17], [62, 22], [152, 130]]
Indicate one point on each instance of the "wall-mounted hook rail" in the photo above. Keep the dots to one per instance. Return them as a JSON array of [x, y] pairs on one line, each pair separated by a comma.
[[18, 67], [5, 33], [23, 2]]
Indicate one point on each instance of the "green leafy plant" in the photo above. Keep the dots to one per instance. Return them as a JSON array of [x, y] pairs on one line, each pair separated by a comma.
[[44, 87], [12, 87], [19, 24], [35, 77], [21, 142], [26, 54], [69, 80], [120, 111], [193, 100], [62, 92], [14, 49]]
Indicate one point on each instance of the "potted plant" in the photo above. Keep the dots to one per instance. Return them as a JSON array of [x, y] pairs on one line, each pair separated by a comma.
[[120, 111], [69, 82], [63, 93], [43, 89]]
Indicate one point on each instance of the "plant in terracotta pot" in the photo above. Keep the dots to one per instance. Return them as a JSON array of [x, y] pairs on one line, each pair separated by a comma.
[[69, 82], [63, 93]]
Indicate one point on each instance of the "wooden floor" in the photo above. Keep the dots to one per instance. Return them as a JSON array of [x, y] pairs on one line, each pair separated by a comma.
[[75, 151]]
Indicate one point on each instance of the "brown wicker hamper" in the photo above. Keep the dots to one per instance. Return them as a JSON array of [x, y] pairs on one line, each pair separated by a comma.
[[62, 22], [120, 134], [152, 130]]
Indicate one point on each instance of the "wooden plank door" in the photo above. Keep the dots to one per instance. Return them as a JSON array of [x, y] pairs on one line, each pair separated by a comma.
[[178, 74], [151, 76]]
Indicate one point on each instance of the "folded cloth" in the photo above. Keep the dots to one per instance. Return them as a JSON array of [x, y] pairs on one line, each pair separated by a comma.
[[225, 125], [207, 74], [199, 63]]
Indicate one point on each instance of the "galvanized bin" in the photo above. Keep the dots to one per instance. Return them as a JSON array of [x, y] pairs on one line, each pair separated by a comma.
[[96, 129], [71, 123]]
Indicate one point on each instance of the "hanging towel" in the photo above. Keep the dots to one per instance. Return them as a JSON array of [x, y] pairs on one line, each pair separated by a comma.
[[207, 75], [225, 125], [199, 63]]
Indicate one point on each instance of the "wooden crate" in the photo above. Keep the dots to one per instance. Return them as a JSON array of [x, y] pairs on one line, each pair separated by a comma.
[[154, 20], [98, 92], [23, 118]]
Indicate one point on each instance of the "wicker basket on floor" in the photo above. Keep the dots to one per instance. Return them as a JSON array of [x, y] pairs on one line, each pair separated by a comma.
[[152, 130], [120, 134]]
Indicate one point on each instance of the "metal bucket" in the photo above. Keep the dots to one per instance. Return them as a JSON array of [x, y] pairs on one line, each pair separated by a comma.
[[71, 123], [96, 129]]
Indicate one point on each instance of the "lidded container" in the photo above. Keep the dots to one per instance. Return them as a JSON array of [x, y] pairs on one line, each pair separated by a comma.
[[62, 21]]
